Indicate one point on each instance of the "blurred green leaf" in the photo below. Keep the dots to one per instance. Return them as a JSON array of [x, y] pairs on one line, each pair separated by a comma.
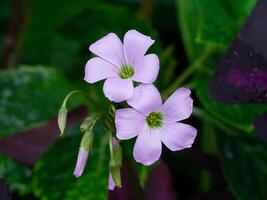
[[42, 43], [239, 9], [188, 22], [53, 174], [16, 174], [29, 96], [245, 167], [66, 35], [219, 20], [213, 22], [215, 26], [168, 65]]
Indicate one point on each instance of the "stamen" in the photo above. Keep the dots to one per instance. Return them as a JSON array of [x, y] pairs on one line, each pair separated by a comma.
[[126, 72], [154, 119]]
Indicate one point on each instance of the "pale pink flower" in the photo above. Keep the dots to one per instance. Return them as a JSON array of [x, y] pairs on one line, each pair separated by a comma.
[[121, 64], [154, 123]]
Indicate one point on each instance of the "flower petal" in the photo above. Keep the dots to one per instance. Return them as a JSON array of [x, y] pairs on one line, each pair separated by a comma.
[[109, 48], [146, 98], [97, 69], [147, 148], [111, 183], [177, 136], [146, 69], [118, 90], [129, 123], [178, 106], [81, 162], [135, 46]]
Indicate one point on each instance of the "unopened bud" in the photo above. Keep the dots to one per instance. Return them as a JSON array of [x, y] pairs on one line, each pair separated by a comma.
[[117, 154], [87, 123], [81, 162], [85, 148], [111, 183], [62, 119], [116, 175], [115, 163], [87, 140]]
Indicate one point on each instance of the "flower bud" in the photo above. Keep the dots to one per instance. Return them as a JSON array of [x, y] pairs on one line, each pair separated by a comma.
[[87, 123], [116, 175], [111, 183], [85, 148], [87, 140], [62, 119], [117, 154], [115, 163], [81, 162]]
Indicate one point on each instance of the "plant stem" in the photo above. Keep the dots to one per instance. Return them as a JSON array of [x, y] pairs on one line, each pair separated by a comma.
[[201, 114], [189, 71]]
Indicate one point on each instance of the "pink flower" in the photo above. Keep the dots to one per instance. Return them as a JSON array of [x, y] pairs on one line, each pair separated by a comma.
[[111, 183], [121, 64], [81, 162], [154, 123]]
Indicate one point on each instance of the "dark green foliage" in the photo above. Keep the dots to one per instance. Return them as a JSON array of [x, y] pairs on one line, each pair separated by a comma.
[[53, 174], [30, 96]]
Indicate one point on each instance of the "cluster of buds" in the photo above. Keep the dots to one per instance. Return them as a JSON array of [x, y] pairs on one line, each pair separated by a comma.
[[86, 144]]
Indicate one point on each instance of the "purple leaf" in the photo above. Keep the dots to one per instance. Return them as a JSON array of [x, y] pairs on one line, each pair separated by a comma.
[[159, 184], [27, 146], [260, 126], [242, 73], [5, 193]]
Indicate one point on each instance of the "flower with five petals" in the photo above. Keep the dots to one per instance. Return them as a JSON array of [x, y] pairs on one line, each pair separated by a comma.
[[121, 64], [155, 123]]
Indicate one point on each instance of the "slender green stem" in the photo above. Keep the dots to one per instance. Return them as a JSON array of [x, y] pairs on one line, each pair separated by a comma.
[[74, 92], [201, 114], [189, 71], [69, 95], [110, 146]]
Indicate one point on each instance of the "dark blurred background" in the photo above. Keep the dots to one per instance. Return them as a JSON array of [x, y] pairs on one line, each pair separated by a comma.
[[44, 48]]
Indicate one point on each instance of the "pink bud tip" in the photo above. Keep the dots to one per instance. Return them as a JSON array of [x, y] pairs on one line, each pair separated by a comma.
[[81, 162]]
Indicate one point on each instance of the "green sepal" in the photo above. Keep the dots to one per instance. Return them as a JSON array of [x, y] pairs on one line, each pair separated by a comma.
[[116, 175], [87, 124], [87, 140], [117, 154]]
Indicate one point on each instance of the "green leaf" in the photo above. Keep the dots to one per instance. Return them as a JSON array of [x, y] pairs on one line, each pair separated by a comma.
[[238, 116], [215, 26], [29, 96], [168, 65], [239, 9], [65, 38], [188, 21], [17, 175], [212, 22], [219, 20], [53, 174], [43, 44], [245, 167]]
